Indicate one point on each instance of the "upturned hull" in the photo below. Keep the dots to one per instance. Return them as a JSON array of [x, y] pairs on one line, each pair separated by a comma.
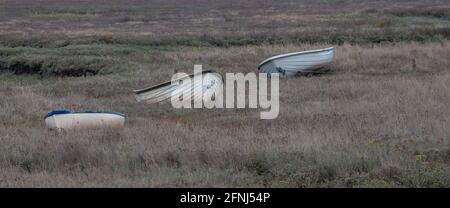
[[83, 120], [298, 62]]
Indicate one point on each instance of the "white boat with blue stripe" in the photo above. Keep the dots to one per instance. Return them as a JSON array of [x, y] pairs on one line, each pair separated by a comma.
[[64, 119]]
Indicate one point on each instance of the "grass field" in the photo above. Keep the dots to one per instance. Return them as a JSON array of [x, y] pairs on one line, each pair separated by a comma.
[[380, 118]]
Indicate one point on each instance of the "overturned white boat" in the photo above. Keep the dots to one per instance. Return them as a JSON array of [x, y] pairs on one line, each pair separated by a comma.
[[63, 119], [297, 62], [206, 82]]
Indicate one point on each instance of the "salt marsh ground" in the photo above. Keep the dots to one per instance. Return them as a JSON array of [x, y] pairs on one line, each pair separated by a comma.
[[379, 118]]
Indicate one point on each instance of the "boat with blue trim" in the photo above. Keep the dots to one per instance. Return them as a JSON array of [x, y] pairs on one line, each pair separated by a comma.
[[64, 119]]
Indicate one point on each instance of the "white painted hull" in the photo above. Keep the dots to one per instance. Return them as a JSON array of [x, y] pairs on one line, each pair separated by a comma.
[[84, 120], [194, 87], [298, 62]]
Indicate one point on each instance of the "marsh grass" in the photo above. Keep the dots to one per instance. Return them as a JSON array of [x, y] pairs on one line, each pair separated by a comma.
[[376, 121], [378, 117], [167, 23]]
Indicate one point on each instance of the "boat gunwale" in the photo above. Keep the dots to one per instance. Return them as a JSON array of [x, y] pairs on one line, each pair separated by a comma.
[[169, 82], [293, 54], [66, 112]]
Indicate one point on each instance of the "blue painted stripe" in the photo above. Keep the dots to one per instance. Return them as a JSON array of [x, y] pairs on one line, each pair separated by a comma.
[[59, 112]]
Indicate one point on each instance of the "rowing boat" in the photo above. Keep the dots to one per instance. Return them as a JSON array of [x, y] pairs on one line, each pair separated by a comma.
[[187, 85], [298, 62], [63, 119]]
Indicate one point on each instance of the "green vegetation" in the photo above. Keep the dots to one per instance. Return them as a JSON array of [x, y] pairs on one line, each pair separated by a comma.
[[103, 39]]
